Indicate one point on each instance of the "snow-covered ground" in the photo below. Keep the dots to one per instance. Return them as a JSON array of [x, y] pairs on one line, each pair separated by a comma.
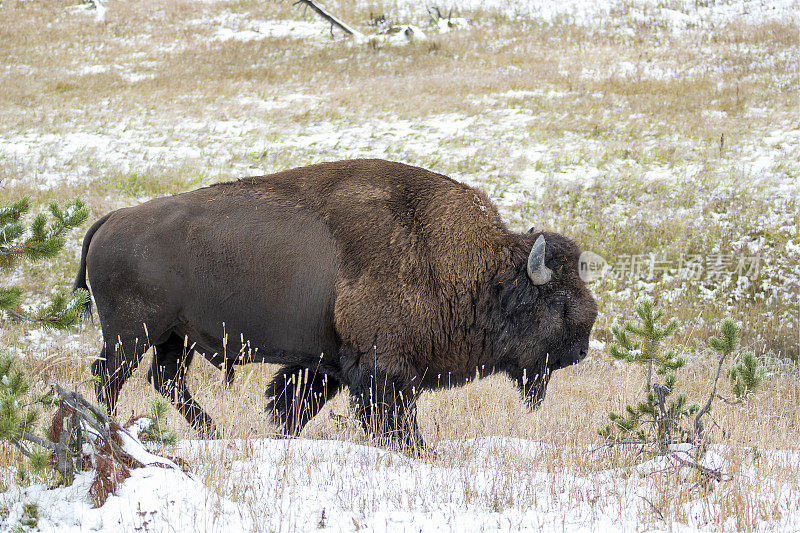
[[50, 160], [85, 150], [489, 484], [674, 15]]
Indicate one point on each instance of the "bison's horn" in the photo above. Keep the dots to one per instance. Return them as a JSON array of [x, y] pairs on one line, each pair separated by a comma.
[[537, 270]]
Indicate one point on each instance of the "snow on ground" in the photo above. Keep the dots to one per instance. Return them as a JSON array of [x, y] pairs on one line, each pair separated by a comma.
[[484, 484], [300, 485], [236, 26], [152, 499], [273, 29], [85, 152], [675, 15], [226, 147]]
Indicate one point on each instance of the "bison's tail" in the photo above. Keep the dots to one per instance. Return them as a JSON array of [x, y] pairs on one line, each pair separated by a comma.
[[80, 278]]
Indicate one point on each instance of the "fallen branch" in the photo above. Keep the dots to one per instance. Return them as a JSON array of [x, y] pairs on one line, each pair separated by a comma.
[[19, 316], [80, 437], [14, 250], [704, 471], [408, 32], [322, 12], [674, 456]]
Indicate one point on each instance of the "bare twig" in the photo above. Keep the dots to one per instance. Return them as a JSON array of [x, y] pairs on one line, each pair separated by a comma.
[[94, 419], [58, 448], [38, 441], [436, 14], [703, 470], [698, 422], [727, 401], [654, 508], [664, 422], [20, 316], [64, 463], [642, 448], [14, 250]]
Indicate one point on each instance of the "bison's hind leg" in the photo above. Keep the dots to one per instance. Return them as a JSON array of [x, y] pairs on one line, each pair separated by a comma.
[[297, 393], [115, 364], [171, 359]]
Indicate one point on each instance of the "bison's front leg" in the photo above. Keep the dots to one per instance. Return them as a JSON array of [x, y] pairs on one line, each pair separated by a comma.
[[387, 411], [296, 394], [168, 376]]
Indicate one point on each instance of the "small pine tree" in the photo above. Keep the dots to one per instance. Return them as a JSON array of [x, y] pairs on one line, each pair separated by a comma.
[[43, 241], [19, 417], [60, 449], [660, 415], [651, 332], [158, 431], [746, 376], [660, 420]]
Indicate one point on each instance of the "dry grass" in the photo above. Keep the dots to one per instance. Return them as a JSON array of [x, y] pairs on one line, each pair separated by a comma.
[[627, 105]]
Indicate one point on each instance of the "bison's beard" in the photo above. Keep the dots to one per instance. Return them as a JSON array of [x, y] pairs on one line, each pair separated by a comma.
[[533, 387]]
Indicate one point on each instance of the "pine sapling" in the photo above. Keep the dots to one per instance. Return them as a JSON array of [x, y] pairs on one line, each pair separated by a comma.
[[745, 376], [664, 417], [19, 418], [651, 332], [659, 416], [43, 241], [80, 435], [158, 431]]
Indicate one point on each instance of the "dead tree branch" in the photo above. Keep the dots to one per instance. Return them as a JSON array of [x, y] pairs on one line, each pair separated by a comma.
[[335, 21], [698, 422]]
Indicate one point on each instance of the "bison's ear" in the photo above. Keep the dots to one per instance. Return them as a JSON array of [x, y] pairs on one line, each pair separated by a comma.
[[537, 271]]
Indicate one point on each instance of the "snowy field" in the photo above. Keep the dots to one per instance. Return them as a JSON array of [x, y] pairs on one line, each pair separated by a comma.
[[310, 485], [642, 129]]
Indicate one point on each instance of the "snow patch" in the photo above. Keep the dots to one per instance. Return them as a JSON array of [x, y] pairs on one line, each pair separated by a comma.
[[274, 29], [620, 16]]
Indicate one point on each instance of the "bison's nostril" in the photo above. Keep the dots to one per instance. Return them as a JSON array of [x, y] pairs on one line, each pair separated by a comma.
[[584, 353]]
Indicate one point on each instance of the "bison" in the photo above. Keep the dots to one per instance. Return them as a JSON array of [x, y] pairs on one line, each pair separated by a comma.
[[377, 276]]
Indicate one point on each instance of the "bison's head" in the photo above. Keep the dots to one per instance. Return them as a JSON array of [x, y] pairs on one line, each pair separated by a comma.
[[546, 312]]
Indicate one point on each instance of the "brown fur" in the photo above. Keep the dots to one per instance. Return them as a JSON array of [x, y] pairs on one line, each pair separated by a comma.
[[445, 239]]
